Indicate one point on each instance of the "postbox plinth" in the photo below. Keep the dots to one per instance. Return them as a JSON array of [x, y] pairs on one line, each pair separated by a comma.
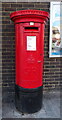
[[28, 101], [29, 34]]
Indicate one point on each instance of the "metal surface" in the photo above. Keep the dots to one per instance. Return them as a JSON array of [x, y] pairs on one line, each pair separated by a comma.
[[28, 100], [29, 15], [29, 32]]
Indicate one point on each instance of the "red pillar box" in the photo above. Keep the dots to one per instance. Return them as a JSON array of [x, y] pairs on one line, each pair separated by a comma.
[[29, 34]]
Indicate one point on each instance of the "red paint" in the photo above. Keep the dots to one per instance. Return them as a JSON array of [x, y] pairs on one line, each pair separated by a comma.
[[29, 63]]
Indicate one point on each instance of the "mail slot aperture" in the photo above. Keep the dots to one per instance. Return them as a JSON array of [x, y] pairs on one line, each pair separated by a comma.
[[31, 28]]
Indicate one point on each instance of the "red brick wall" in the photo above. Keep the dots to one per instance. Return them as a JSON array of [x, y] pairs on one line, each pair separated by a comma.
[[51, 76]]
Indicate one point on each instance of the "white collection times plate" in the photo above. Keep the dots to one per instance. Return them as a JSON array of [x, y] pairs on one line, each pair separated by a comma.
[[31, 43]]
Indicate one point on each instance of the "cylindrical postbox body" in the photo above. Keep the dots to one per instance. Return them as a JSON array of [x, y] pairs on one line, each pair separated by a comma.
[[29, 34]]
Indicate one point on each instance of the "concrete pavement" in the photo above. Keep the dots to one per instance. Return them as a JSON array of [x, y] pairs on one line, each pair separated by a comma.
[[50, 108]]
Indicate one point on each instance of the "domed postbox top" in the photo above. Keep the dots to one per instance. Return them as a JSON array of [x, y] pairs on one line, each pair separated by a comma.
[[33, 14]]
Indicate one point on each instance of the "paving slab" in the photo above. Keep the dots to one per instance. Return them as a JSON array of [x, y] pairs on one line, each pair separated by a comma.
[[50, 108]]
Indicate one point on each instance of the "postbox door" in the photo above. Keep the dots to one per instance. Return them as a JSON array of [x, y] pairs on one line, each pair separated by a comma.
[[31, 60]]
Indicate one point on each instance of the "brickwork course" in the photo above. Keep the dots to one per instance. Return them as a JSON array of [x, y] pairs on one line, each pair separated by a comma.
[[52, 66]]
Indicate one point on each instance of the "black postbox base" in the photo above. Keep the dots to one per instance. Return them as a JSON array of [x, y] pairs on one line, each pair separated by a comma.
[[28, 100]]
